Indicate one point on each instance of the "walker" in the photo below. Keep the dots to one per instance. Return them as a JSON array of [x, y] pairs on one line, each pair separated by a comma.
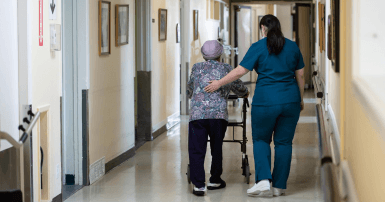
[[245, 161]]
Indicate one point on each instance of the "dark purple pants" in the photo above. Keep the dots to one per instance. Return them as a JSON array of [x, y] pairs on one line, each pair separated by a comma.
[[199, 130]]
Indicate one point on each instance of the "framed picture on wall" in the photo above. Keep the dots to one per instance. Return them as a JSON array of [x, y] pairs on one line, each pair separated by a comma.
[[104, 28], [330, 38], [121, 24], [196, 24], [162, 24], [177, 33], [335, 35], [321, 18]]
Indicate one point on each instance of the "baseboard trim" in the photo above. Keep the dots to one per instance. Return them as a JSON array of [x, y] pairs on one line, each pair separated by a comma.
[[58, 198], [119, 160], [167, 125], [160, 131]]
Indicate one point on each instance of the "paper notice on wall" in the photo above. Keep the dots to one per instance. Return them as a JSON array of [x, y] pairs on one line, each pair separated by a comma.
[[40, 22]]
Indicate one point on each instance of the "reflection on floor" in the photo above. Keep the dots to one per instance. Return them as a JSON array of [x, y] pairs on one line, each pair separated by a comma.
[[158, 170], [69, 190]]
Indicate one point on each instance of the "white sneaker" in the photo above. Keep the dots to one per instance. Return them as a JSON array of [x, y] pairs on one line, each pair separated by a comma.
[[199, 191], [259, 188], [278, 192]]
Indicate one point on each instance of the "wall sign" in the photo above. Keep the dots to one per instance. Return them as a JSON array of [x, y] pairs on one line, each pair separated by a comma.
[[52, 9], [40, 22]]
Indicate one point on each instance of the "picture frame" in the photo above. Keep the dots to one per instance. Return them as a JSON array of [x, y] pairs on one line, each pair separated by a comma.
[[177, 33], [335, 35], [104, 28], [330, 38], [196, 24], [162, 24], [321, 19], [122, 24]]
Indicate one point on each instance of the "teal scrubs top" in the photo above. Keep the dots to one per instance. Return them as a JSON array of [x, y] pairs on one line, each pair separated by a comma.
[[276, 83]]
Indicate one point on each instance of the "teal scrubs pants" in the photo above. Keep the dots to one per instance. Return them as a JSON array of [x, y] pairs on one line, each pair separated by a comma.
[[281, 120]]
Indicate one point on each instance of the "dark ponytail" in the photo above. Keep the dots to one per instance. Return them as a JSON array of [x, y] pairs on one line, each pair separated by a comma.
[[275, 38]]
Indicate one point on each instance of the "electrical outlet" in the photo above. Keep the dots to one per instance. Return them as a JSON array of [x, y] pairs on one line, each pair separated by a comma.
[[57, 171]]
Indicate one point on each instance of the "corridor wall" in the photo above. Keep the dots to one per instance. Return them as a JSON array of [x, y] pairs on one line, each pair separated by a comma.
[[330, 77], [286, 20], [363, 142], [46, 91], [207, 30], [111, 92], [165, 76]]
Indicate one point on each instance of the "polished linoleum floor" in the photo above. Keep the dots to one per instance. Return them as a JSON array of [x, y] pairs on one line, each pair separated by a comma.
[[158, 170]]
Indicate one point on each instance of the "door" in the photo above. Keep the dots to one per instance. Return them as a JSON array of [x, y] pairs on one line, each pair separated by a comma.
[[243, 29], [304, 39], [14, 97], [9, 92]]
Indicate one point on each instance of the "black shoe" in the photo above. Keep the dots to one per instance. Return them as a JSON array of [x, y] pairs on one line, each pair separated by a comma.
[[199, 191], [214, 186]]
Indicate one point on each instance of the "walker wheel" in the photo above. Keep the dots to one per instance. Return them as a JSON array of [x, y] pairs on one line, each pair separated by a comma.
[[188, 174], [247, 169], [247, 174]]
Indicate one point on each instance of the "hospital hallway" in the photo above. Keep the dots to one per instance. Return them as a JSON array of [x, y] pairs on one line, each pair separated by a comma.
[[95, 97], [158, 170]]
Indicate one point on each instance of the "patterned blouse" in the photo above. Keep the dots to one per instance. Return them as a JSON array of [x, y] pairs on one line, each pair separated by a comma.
[[211, 105]]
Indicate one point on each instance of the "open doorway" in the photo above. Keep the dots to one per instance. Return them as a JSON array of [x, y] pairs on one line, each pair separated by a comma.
[[243, 35], [74, 100], [246, 18], [303, 37]]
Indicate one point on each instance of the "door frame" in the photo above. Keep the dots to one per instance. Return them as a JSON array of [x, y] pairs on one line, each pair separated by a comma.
[[75, 53], [186, 35]]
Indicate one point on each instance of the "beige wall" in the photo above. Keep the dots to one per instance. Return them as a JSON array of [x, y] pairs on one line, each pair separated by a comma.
[[208, 30], [165, 63], [334, 93], [364, 148], [111, 93], [361, 144], [46, 91], [285, 18]]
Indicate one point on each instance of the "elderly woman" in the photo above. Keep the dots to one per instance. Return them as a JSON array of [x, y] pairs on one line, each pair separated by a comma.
[[209, 116]]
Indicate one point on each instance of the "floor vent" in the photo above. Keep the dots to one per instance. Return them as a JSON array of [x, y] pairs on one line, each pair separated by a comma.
[[97, 170]]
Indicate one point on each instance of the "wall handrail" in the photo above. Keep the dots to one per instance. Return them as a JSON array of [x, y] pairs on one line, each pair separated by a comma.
[[330, 183], [326, 155], [317, 86], [24, 137]]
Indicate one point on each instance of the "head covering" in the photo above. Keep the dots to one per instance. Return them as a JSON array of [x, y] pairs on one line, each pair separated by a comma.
[[212, 50]]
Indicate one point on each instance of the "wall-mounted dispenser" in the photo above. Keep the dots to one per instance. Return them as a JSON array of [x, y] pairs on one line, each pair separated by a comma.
[[55, 37]]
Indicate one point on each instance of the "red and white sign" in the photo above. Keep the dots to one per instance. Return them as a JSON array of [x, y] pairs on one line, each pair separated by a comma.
[[40, 22]]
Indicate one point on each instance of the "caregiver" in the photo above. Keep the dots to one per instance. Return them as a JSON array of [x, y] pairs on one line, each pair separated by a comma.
[[277, 102]]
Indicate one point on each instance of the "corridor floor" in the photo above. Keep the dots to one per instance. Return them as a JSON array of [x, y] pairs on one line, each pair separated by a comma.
[[158, 170]]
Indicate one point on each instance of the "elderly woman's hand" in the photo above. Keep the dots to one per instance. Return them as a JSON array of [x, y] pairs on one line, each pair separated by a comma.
[[247, 95], [214, 85]]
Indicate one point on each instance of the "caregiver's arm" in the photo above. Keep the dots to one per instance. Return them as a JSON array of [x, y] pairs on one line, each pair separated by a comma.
[[301, 83], [230, 77]]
